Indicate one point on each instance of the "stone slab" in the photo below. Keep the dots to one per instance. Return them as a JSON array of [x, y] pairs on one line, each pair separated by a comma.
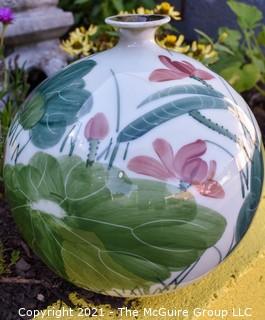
[[38, 25], [18, 5], [46, 56]]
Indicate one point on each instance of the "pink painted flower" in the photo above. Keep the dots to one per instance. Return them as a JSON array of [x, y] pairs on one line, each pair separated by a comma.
[[6, 15], [97, 127], [178, 70], [186, 165]]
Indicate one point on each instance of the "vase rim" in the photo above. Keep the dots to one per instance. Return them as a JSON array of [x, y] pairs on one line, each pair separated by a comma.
[[137, 21]]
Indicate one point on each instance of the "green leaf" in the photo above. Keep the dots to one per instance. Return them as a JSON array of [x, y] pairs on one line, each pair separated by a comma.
[[261, 36], [249, 76], [118, 5], [34, 225], [56, 104], [186, 89], [92, 267], [247, 16], [148, 3], [260, 63], [70, 76], [33, 112], [228, 61], [104, 231], [81, 2], [221, 48], [250, 204], [232, 39], [15, 255], [166, 112], [242, 79], [204, 36]]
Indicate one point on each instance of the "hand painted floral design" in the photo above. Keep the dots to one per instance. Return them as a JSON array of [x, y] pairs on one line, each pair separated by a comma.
[[96, 129], [186, 165], [73, 229], [178, 70]]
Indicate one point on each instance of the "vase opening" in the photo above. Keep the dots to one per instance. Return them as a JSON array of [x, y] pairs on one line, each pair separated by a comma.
[[133, 21]]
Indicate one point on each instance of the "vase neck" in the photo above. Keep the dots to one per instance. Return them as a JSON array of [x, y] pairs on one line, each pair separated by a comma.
[[136, 37], [137, 30]]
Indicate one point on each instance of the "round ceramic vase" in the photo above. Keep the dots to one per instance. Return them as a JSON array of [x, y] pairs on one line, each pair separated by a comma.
[[134, 171]]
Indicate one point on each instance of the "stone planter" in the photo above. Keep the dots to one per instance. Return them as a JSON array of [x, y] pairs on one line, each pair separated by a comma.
[[34, 35]]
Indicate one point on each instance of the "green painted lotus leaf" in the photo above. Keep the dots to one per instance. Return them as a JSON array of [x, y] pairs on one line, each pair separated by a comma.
[[91, 266], [57, 103], [33, 111], [102, 230]]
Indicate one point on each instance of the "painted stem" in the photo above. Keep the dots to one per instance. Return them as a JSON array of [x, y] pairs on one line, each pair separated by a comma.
[[221, 147], [113, 155], [214, 126], [235, 109], [184, 273], [73, 142], [93, 149], [66, 138], [242, 175], [205, 83], [15, 135], [219, 253], [13, 126], [20, 150], [126, 151], [118, 100]]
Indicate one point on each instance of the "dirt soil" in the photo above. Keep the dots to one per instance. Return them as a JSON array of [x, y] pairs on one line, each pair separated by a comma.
[[31, 285]]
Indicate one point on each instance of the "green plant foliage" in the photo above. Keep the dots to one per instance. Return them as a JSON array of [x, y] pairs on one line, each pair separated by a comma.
[[242, 78], [247, 16], [90, 11], [7, 262], [102, 230], [233, 38], [12, 95], [242, 64]]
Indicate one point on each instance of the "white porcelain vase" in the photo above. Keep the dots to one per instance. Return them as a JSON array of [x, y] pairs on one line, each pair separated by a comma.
[[134, 171]]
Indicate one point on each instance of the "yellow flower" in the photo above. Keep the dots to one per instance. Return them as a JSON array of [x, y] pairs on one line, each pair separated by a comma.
[[104, 44], [79, 42], [223, 36], [200, 51], [122, 13], [203, 52], [175, 43], [142, 10], [168, 9], [92, 30], [77, 48]]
